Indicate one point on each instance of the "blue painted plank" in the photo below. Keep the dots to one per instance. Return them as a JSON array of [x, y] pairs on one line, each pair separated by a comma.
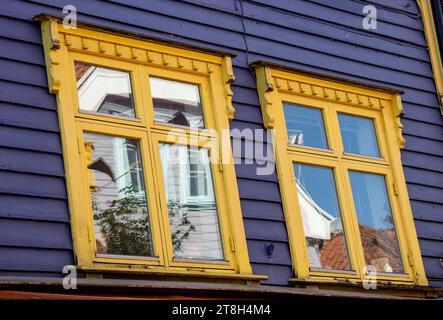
[[278, 275], [425, 193], [258, 190], [32, 185], [27, 139], [412, 159], [25, 94], [26, 117], [423, 145], [258, 254], [22, 51], [423, 177], [32, 208], [344, 19], [431, 248], [427, 210], [265, 230], [31, 162], [31, 234], [263, 210], [433, 267], [27, 259], [429, 230]]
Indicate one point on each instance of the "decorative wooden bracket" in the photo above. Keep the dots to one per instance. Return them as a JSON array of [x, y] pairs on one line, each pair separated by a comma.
[[52, 45], [398, 113], [265, 87], [228, 78]]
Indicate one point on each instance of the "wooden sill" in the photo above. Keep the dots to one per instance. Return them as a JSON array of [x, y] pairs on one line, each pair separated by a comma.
[[383, 288]]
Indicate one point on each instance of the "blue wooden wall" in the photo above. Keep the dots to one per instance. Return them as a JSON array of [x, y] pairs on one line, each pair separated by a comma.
[[320, 35]]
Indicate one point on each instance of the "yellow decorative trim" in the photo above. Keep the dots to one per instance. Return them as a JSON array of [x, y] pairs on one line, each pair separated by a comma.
[[328, 93], [141, 52], [265, 86], [397, 108], [51, 43], [434, 51], [228, 78], [142, 59], [277, 86]]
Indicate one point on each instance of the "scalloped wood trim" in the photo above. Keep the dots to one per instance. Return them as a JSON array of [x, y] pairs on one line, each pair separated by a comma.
[[329, 93], [228, 78]]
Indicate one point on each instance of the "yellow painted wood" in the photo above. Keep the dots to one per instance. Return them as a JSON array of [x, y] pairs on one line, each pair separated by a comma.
[[434, 50], [141, 59], [278, 86]]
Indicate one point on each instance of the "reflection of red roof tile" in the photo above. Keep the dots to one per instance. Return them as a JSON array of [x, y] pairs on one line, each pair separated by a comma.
[[80, 70], [378, 246], [333, 254]]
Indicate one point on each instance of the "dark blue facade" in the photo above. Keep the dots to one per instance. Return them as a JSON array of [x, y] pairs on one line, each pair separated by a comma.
[[323, 36]]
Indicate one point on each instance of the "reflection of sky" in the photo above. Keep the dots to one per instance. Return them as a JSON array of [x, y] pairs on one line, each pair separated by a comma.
[[305, 121], [371, 200], [175, 91], [358, 135], [319, 183]]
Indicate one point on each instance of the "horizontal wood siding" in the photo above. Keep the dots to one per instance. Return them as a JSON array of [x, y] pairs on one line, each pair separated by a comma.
[[321, 35]]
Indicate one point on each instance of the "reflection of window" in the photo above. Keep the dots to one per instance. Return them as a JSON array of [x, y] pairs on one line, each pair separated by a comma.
[[346, 203]]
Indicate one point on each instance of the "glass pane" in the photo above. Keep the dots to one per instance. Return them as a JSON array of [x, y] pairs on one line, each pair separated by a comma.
[[176, 103], [358, 135], [305, 126], [320, 210], [104, 90], [376, 224], [191, 203], [118, 196]]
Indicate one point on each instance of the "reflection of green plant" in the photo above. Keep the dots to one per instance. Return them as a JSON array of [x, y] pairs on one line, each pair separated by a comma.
[[183, 229], [125, 225]]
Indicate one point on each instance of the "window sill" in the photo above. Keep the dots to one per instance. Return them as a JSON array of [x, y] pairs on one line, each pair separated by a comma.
[[155, 273], [383, 287]]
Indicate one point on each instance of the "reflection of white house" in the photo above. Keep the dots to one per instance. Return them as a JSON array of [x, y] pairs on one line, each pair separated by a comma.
[[189, 191], [105, 91], [317, 222]]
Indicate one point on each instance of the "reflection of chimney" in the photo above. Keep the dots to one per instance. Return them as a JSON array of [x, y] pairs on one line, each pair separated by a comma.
[[297, 138], [179, 119], [101, 165]]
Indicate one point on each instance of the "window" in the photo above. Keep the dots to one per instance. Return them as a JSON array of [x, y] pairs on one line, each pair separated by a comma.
[[337, 149], [148, 190]]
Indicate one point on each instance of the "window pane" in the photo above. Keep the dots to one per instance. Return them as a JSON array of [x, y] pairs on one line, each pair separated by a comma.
[[176, 103], [118, 194], [320, 210], [376, 224], [305, 126], [104, 90], [358, 135], [191, 203]]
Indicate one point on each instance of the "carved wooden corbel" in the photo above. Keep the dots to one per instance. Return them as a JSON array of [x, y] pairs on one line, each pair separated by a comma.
[[52, 45], [265, 86], [398, 113], [228, 78]]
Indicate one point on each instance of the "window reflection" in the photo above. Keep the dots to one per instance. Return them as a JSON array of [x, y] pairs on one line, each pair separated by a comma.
[[191, 203], [358, 135], [118, 196], [104, 90], [305, 126], [376, 224], [176, 103], [320, 210]]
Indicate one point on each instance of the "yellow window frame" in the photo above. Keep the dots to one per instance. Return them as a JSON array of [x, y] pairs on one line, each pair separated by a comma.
[[277, 86], [213, 75]]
